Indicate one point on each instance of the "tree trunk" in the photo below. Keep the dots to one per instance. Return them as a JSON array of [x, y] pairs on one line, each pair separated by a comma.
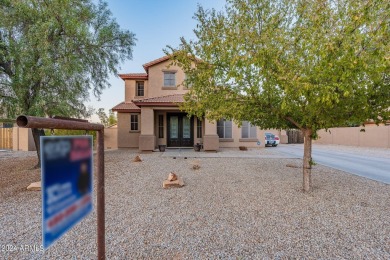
[[307, 162], [37, 133]]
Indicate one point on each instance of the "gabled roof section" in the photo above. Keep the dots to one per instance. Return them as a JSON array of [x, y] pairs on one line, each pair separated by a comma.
[[134, 76], [170, 100], [154, 62], [126, 107], [146, 67]]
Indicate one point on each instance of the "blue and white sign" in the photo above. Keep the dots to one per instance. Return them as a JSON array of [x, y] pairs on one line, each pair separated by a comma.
[[66, 184]]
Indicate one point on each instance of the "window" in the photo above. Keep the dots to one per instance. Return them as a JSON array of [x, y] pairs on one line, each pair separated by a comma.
[[198, 128], [134, 123], [186, 84], [248, 130], [224, 129], [160, 126], [169, 79], [140, 88]]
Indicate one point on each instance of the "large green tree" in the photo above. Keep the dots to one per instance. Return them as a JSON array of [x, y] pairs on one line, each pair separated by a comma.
[[54, 52], [106, 120], [290, 64]]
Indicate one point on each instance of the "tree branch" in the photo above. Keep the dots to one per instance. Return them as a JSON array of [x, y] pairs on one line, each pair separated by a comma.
[[294, 122]]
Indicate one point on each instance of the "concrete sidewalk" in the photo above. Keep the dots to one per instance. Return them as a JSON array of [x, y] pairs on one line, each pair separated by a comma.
[[368, 162], [268, 152]]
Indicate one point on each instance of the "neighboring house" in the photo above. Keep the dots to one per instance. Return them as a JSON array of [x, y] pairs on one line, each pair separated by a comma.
[[150, 115], [371, 122]]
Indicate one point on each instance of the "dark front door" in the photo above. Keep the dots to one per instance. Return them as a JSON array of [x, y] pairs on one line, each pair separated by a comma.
[[180, 130]]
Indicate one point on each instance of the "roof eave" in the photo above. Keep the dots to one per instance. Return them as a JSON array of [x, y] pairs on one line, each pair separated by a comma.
[[146, 66], [160, 104], [127, 110], [124, 77]]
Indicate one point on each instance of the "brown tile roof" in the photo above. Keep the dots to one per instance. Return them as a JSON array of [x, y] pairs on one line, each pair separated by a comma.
[[133, 76], [154, 62], [126, 107], [164, 100], [146, 67]]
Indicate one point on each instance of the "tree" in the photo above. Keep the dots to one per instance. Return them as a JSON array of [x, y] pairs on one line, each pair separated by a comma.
[[102, 116], [53, 52], [112, 120], [289, 64], [104, 119]]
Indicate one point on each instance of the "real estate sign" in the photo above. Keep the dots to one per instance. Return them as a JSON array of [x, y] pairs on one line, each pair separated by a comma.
[[66, 184]]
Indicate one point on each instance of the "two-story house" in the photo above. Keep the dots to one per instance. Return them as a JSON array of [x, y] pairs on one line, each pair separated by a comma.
[[150, 115]]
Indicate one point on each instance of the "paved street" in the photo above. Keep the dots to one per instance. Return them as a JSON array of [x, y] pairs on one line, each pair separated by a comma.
[[371, 163]]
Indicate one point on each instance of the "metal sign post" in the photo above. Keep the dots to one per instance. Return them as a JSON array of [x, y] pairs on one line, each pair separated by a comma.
[[75, 124]]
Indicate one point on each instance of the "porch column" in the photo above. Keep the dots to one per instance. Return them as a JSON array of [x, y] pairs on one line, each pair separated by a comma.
[[147, 139], [210, 139]]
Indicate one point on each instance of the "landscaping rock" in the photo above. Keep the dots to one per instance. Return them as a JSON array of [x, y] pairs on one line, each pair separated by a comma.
[[293, 166], [172, 177], [137, 159], [35, 186], [173, 184]]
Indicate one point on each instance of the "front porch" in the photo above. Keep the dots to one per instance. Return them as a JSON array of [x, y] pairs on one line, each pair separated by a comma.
[[173, 128]]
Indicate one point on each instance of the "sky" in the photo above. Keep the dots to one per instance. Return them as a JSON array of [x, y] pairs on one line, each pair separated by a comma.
[[156, 24]]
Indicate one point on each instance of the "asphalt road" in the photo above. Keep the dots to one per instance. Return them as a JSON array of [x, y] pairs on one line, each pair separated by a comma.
[[362, 162]]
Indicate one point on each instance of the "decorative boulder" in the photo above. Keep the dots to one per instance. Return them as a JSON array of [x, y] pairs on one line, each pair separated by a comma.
[[173, 181], [293, 165], [34, 186], [172, 177], [137, 159]]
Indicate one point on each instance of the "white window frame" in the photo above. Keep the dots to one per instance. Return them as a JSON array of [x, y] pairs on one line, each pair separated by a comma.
[[168, 82], [252, 130], [184, 82], [224, 123], [137, 88], [133, 123]]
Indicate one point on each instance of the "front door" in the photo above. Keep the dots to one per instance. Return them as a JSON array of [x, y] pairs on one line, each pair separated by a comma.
[[180, 130]]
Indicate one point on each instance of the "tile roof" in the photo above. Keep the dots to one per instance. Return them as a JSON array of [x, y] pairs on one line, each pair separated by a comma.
[[146, 67], [154, 62], [133, 76], [126, 107], [175, 98]]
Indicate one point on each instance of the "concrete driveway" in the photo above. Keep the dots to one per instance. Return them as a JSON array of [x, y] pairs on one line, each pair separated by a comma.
[[371, 163]]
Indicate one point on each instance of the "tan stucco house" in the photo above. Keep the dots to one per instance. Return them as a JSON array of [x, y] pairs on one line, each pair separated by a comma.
[[150, 115]]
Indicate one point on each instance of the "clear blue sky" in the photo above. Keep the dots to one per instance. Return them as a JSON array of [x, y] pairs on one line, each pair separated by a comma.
[[156, 24]]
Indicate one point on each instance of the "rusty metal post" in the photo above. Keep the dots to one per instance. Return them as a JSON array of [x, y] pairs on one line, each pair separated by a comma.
[[50, 123], [100, 196], [72, 124]]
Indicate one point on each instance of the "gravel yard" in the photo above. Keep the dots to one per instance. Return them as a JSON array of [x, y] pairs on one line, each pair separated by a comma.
[[231, 208]]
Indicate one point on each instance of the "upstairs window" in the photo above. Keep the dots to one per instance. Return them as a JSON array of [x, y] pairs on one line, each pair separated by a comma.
[[186, 84], [224, 128], [169, 79], [248, 130], [139, 85]]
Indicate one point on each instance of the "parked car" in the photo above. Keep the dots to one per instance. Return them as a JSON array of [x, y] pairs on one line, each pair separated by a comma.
[[271, 139], [277, 140]]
